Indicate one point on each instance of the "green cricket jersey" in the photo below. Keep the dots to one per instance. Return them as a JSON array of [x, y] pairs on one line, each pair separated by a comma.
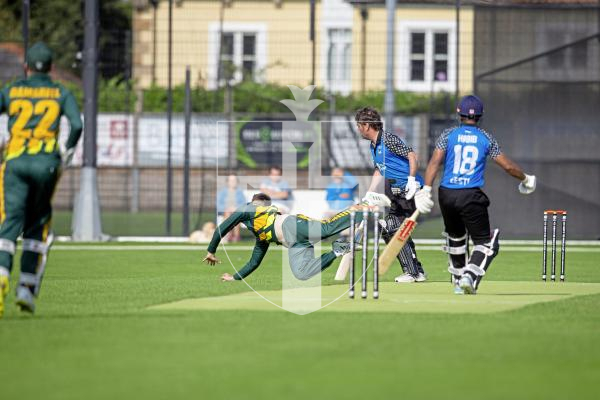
[[34, 106], [260, 221]]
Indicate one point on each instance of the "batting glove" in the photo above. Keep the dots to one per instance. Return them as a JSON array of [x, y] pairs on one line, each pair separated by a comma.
[[377, 199], [411, 187], [423, 200], [527, 185]]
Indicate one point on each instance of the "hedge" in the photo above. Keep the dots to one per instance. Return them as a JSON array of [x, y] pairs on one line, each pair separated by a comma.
[[118, 96]]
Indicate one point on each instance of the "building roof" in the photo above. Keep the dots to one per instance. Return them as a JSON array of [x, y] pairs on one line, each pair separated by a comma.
[[568, 3], [502, 3]]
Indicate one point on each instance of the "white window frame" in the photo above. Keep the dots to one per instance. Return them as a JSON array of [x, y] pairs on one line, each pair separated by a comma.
[[413, 56], [238, 29], [403, 58], [342, 87], [335, 14]]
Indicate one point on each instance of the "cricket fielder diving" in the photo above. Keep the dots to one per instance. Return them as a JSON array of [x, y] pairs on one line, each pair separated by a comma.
[[30, 170], [292, 231]]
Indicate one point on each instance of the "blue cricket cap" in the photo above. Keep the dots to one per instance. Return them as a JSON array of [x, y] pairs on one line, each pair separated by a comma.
[[470, 106]]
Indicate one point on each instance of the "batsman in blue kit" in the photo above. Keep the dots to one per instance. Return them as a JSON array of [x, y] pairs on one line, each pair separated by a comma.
[[395, 167], [463, 150]]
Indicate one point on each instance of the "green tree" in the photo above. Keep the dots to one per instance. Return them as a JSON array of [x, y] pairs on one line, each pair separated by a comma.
[[60, 23]]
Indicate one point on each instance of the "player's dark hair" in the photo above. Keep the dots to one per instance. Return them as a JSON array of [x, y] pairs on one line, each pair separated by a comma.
[[475, 118], [369, 115], [276, 167], [263, 198]]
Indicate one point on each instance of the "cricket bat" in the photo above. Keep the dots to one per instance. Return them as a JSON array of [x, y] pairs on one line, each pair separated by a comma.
[[342, 270], [400, 238]]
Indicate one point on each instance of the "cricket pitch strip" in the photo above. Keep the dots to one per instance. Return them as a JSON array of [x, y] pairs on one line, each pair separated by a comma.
[[430, 297]]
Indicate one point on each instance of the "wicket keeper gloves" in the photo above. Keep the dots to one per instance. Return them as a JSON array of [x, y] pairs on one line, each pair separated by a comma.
[[527, 185], [411, 187], [423, 200]]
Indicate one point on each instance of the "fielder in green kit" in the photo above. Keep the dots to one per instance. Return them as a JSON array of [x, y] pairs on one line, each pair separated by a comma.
[[30, 170], [298, 233]]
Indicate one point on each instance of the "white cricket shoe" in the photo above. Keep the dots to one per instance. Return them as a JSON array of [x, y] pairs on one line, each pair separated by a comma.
[[422, 277], [467, 285], [25, 299], [458, 289], [405, 278]]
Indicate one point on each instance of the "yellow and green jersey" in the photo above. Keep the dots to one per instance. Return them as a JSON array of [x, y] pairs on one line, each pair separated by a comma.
[[260, 220], [299, 232], [35, 106]]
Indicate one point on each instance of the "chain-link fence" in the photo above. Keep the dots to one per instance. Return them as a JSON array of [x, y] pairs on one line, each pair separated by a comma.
[[538, 70], [535, 68]]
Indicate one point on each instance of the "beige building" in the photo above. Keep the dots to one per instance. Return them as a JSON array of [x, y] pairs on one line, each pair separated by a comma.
[[269, 41]]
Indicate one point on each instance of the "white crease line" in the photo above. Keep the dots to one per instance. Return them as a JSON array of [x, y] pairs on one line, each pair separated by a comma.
[[185, 240], [201, 248]]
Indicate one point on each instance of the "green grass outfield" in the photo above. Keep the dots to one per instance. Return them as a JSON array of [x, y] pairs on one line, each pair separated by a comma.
[[110, 325]]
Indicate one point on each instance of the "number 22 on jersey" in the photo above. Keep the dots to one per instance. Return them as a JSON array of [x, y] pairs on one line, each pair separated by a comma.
[[32, 140]]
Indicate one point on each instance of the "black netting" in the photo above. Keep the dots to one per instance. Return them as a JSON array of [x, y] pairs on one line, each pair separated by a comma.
[[538, 72]]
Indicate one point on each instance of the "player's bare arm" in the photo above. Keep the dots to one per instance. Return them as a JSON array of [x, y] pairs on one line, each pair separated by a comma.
[[528, 182], [376, 182], [434, 166], [510, 166], [413, 162], [411, 183]]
